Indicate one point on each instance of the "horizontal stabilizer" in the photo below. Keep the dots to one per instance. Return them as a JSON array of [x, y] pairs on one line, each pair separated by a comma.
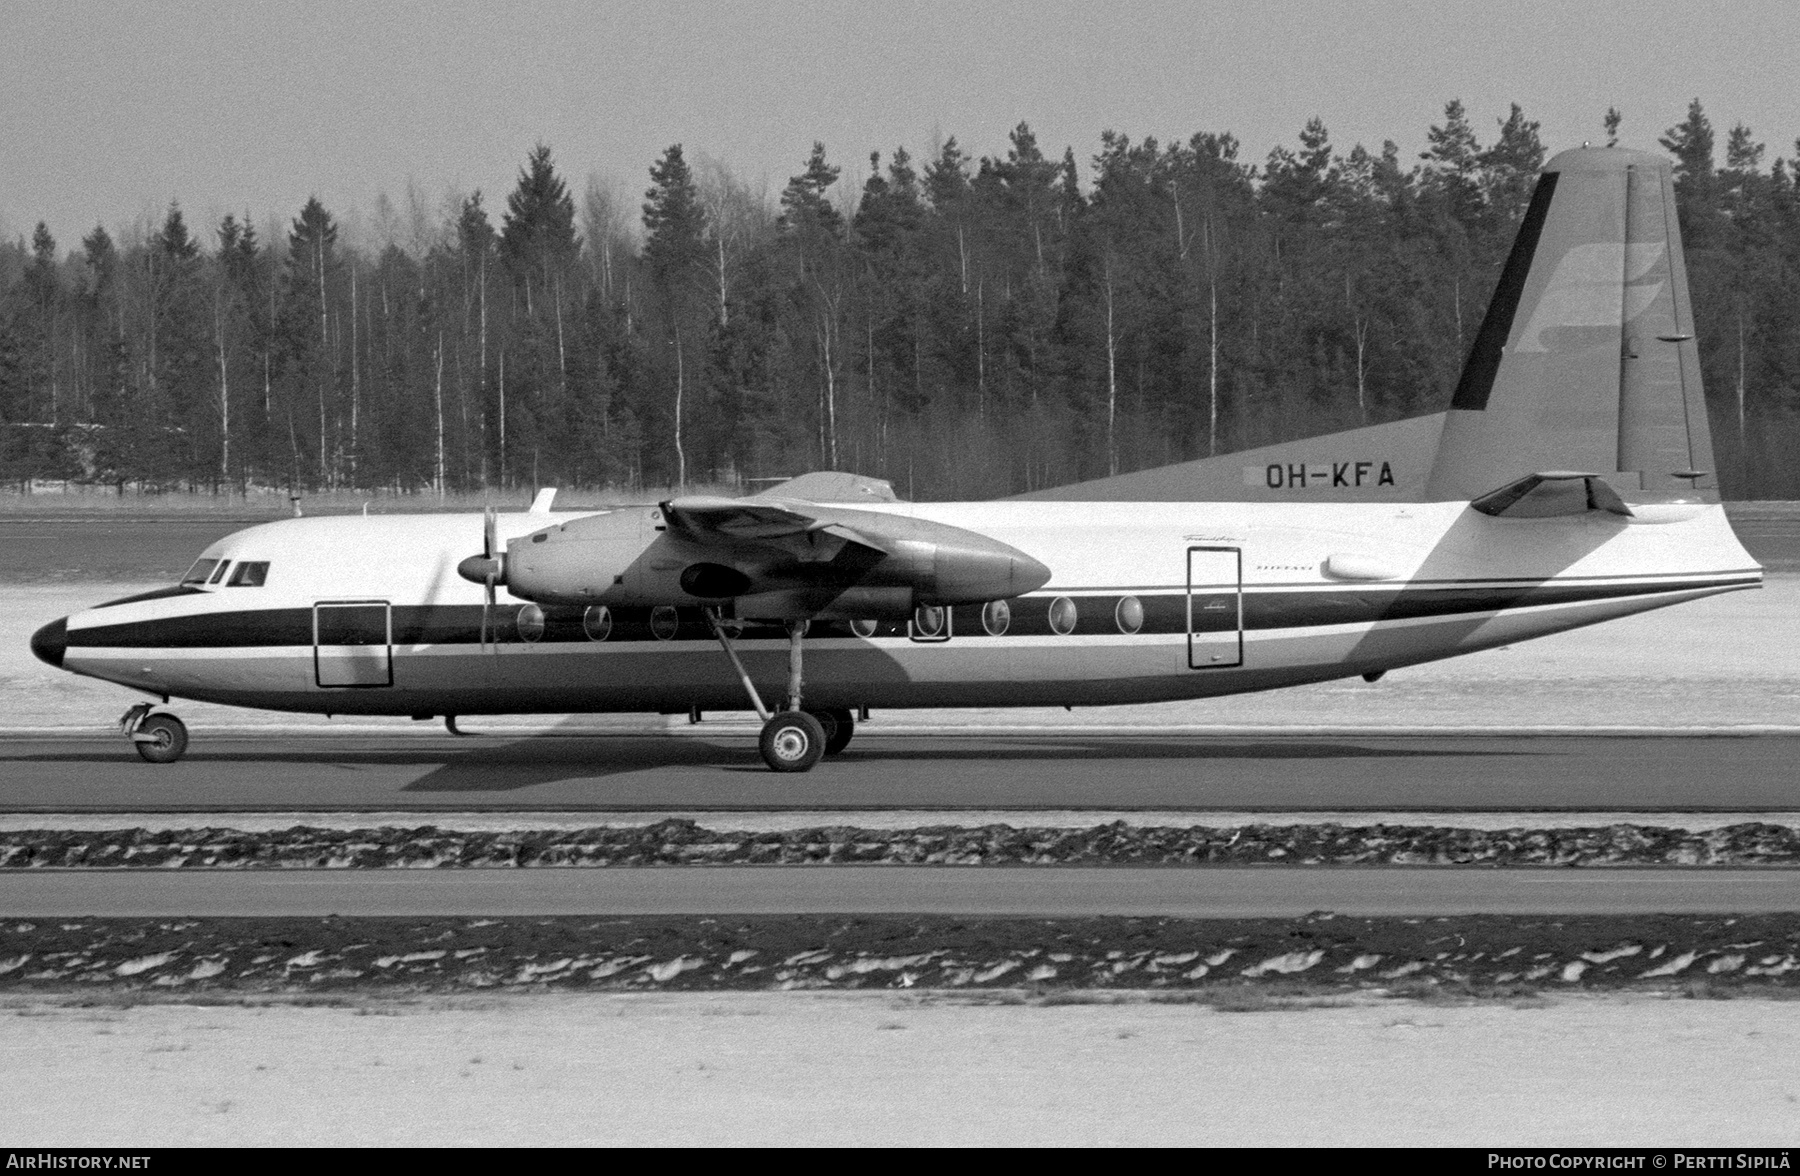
[[1552, 495], [832, 486]]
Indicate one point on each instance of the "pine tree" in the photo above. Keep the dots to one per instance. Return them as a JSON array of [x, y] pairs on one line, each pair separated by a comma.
[[804, 203]]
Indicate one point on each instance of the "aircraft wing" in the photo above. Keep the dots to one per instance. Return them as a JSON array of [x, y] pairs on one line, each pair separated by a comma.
[[738, 521]]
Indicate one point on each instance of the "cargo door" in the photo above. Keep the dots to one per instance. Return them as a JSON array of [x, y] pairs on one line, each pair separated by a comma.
[[1215, 608], [353, 643]]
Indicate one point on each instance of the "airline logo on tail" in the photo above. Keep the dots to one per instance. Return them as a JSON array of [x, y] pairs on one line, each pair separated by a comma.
[[1585, 290]]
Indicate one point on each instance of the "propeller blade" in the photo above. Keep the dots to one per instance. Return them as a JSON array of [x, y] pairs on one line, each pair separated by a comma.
[[487, 611], [488, 523]]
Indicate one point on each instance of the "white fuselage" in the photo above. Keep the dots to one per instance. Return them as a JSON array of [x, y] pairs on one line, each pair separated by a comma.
[[1232, 597]]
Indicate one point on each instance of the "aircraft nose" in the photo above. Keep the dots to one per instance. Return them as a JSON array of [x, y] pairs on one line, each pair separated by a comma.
[[51, 641]]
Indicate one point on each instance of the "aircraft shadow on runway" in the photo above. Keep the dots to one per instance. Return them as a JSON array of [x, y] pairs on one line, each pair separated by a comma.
[[509, 764]]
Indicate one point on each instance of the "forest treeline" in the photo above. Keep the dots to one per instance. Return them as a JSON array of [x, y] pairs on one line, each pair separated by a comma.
[[964, 327]]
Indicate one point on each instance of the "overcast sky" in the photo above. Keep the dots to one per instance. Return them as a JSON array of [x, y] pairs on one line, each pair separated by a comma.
[[111, 110]]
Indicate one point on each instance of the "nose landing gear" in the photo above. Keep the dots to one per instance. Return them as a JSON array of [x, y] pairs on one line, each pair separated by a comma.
[[160, 738]]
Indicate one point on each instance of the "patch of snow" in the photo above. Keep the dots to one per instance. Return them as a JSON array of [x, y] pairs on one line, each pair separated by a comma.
[[1572, 971], [144, 963], [1730, 963], [1293, 961], [1617, 953], [206, 969], [1041, 972], [1360, 963], [998, 970], [669, 969], [1677, 965], [531, 970]]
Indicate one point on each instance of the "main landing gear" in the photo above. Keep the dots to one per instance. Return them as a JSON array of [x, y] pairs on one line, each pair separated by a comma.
[[794, 739], [160, 738]]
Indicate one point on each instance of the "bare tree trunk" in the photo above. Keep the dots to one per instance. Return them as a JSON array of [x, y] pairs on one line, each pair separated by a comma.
[[224, 389], [355, 378], [1112, 378], [1456, 291], [481, 377], [325, 474], [1362, 368], [680, 388], [1742, 384], [826, 331], [503, 418], [724, 314], [980, 352], [562, 356], [438, 481], [1212, 349]]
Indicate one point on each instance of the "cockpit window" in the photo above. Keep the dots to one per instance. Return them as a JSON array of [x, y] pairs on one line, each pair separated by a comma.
[[200, 571], [220, 574], [249, 574]]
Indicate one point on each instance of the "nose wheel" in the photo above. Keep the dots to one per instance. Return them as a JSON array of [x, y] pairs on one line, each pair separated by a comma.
[[160, 738]]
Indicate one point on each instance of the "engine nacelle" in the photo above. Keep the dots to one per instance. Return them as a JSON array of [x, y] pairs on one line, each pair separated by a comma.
[[584, 561], [851, 563]]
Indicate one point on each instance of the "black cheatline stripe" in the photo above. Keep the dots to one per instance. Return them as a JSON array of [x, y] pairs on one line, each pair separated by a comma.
[[1477, 381], [460, 624]]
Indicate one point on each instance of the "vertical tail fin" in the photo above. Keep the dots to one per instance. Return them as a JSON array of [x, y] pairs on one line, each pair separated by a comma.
[[1586, 359]]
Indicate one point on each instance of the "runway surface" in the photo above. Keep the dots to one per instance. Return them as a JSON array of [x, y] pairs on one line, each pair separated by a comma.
[[700, 773], [1174, 892]]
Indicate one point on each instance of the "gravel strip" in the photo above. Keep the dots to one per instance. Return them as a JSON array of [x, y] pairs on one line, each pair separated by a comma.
[[1475, 955], [683, 842]]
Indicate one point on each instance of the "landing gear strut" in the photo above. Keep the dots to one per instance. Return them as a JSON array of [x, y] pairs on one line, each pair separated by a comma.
[[160, 738], [794, 739]]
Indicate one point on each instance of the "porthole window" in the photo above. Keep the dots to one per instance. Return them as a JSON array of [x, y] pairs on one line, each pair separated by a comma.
[[596, 622], [664, 620], [996, 615], [1062, 615], [531, 622], [928, 620], [864, 628], [1129, 614]]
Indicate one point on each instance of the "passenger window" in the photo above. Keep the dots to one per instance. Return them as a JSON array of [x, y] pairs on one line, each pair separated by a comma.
[[249, 574], [220, 573], [202, 568]]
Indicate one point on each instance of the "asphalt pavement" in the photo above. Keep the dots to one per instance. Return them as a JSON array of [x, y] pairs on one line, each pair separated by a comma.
[[406, 771], [1026, 891]]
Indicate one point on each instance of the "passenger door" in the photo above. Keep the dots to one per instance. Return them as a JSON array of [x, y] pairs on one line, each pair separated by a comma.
[[353, 643], [1215, 608]]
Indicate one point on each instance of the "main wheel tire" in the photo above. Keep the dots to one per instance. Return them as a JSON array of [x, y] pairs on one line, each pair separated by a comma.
[[792, 741], [168, 739], [839, 730]]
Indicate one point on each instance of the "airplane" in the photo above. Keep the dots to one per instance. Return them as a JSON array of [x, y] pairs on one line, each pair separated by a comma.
[[1571, 481]]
